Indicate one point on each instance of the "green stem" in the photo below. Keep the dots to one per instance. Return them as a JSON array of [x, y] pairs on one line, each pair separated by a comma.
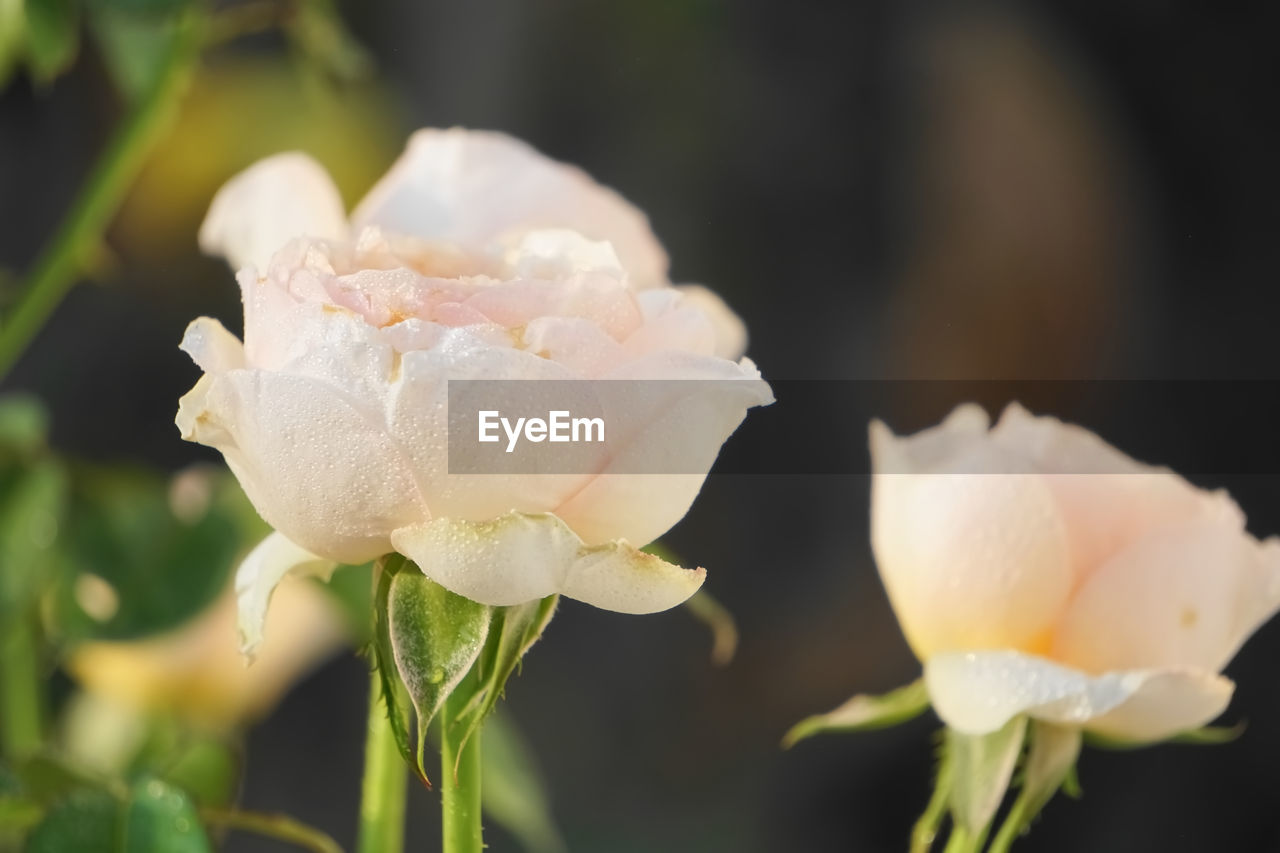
[[1019, 816], [926, 828], [459, 780], [386, 778], [62, 261], [20, 690]]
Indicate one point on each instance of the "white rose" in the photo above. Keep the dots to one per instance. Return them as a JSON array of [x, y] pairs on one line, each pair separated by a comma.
[[474, 258], [1036, 570]]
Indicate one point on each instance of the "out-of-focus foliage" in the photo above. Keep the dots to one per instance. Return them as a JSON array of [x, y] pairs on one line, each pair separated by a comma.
[[150, 816]]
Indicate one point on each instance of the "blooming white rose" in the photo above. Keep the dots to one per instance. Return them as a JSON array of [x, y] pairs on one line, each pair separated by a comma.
[[1036, 570], [474, 258]]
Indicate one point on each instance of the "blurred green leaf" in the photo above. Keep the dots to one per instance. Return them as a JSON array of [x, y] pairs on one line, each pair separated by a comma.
[[24, 423], [143, 7], [865, 712], [160, 819], [13, 28], [515, 793], [352, 588], [85, 822], [323, 44], [207, 770], [46, 778], [162, 569], [154, 817], [53, 37], [32, 508], [133, 46]]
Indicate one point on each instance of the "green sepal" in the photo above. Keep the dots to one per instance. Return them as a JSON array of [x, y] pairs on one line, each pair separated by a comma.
[[1052, 753], [865, 712], [515, 629], [1203, 736], [982, 767], [718, 619]]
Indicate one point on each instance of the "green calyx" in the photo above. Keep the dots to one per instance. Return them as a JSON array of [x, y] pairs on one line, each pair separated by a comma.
[[431, 646]]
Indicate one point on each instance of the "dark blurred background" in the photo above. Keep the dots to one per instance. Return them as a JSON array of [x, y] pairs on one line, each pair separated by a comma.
[[882, 190]]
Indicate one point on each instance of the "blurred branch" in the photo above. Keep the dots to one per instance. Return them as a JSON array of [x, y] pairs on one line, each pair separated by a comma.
[[63, 260], [277, 826], [245, 19], [20, 689]]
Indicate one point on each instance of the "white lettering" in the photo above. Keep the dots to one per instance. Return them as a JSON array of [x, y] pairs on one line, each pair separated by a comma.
[[587, 424], [513, 435], [559, 427], [487, 423]]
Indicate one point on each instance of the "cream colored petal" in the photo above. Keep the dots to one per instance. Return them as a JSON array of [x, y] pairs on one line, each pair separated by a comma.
[[318, 463], [661, 443], [211, 346], [730, 331], [259, 210], [477, 187], [928, 449], [256, 579], [1107, 499], [520, 557], [978, 692], [972, 554], [1183, 597]]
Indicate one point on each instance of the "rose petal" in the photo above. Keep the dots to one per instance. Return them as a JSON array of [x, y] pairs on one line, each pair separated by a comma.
[[970, 559], [1107, 499], [474, 187], [1188, 597], [978, 692], [259, 210], [672, 436], [211, 346], [521, 557], [317, 464], [267, 564], [730, 331]]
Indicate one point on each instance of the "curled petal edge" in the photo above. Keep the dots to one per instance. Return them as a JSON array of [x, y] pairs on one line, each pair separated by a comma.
[[257, 577], [978, 692], [521, 557]]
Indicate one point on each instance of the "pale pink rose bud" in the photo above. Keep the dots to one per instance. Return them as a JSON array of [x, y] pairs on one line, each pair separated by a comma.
[[1036, 570]]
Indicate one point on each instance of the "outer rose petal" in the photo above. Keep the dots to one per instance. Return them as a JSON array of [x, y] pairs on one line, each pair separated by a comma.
[[687, 423], [262, 208], [316, 466], [978, 692], [267, 564], [474, 187], [969, 559], [520, 557], [730, 331], [211, 346], [1107, 499], [1188, 597]]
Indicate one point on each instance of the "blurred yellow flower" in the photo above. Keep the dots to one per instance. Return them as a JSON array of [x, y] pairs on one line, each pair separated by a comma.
[[197, 672]]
